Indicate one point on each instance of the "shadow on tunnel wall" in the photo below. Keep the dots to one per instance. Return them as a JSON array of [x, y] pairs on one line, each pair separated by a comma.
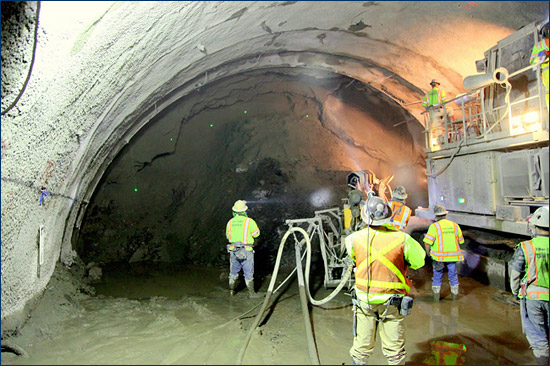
[[281, 140]]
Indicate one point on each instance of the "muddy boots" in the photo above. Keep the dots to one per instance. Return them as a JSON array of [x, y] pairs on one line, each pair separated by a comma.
[[232, 285], [436, 291], [251, 292], [454, 292]]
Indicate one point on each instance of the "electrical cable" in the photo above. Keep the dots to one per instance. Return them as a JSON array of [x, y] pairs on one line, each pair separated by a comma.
[[32, 63]]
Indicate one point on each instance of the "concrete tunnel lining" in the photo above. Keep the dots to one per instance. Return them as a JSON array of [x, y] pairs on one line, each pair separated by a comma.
[[93, 97]]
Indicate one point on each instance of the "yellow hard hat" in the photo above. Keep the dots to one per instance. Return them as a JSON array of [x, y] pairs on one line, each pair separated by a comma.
[[240, 206]]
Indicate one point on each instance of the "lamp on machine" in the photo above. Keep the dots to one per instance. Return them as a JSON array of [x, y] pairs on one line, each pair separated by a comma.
[[528, 122]]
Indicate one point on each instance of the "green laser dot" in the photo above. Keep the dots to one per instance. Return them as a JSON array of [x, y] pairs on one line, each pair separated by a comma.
[[135, 189], [307, 115], [211, 125], [245, 112]]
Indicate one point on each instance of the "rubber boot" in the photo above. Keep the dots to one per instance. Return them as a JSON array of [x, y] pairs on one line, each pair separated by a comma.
[[436, 290], [252, 294], [232, 285], [454, 292]]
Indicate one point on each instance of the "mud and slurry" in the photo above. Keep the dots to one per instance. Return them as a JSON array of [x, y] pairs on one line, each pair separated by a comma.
[[183, 315]]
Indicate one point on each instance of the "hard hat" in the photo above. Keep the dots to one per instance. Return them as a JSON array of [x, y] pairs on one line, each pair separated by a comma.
[[400, 193], [434, 82], [540, 217], [439, 210], [240, 206], [375, 211]]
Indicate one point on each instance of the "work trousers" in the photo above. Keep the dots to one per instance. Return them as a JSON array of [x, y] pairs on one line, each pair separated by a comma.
[[236, 264], [534, 323], [391, 331], [439, 267]]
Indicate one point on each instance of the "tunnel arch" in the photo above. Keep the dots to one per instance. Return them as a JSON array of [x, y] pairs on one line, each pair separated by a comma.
[[94, 78], [353, 65]]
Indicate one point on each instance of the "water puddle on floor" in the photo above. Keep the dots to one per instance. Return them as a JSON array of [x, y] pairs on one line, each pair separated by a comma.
[[171, 314]]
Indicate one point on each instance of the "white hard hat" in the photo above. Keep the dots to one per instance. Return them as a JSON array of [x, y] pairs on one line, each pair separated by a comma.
[[375, 211], [240, 206], [439, 210], [540, 217]]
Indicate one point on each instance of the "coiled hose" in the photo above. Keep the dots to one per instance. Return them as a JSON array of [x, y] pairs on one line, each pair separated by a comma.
[[305, 294]]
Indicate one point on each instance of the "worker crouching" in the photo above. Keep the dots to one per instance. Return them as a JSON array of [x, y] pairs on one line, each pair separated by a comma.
[[241, 231], [382, 255]]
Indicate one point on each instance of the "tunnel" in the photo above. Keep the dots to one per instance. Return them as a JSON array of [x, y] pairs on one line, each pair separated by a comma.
[[129, 130]]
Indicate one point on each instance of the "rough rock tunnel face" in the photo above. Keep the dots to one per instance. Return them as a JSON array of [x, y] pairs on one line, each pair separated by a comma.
[[282, 139], [152, 96]]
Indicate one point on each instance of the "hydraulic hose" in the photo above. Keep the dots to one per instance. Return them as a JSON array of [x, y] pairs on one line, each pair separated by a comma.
[[305, 294], [313, 355], [267, 297]]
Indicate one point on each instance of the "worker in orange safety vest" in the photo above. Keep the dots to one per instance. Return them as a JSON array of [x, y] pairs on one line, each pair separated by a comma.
[[241, 231], [382, 255], [443, 240], [400, 212]]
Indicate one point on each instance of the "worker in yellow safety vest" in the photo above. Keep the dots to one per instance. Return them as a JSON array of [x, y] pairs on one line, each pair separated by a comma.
[[400, 212], [443, 241], [382, 255], [539, 54], [435, 95], [529, 281], [241, 231]]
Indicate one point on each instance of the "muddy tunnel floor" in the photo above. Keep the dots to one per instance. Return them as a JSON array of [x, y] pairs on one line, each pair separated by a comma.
[[174, 314]]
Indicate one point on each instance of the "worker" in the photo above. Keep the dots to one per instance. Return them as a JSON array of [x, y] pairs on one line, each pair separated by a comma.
[[400, 212], [241, 231], [432, 101], [443, 241], [529, 281], [539, 54], [435, 95], [381, 255]]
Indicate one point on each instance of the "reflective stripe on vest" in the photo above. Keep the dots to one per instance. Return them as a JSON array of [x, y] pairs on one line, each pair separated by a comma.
[[441, 253], [401, 216], [533, 279], [381, 281]]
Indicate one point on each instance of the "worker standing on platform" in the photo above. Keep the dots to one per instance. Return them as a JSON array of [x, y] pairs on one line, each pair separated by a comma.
[[529, 281], [241, 231], [400, 212], [443, 240], [381, 255], [435, 95], [540, 54]]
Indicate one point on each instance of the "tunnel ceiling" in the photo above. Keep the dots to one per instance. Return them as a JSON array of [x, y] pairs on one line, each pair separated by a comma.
[[105, 70]]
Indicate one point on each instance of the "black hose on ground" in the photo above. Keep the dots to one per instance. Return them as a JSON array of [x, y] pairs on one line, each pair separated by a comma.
[[267, 297], [313, 355], [304, 293]]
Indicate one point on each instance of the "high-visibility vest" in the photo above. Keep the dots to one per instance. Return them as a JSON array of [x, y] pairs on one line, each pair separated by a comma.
[[536, 268], [380, 260], [444, 238], [446, 353], [242, 229], [539, 54], [434, 96], [400, 215]]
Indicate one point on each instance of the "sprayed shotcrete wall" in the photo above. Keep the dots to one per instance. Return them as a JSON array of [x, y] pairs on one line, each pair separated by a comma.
[[104, 70]]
